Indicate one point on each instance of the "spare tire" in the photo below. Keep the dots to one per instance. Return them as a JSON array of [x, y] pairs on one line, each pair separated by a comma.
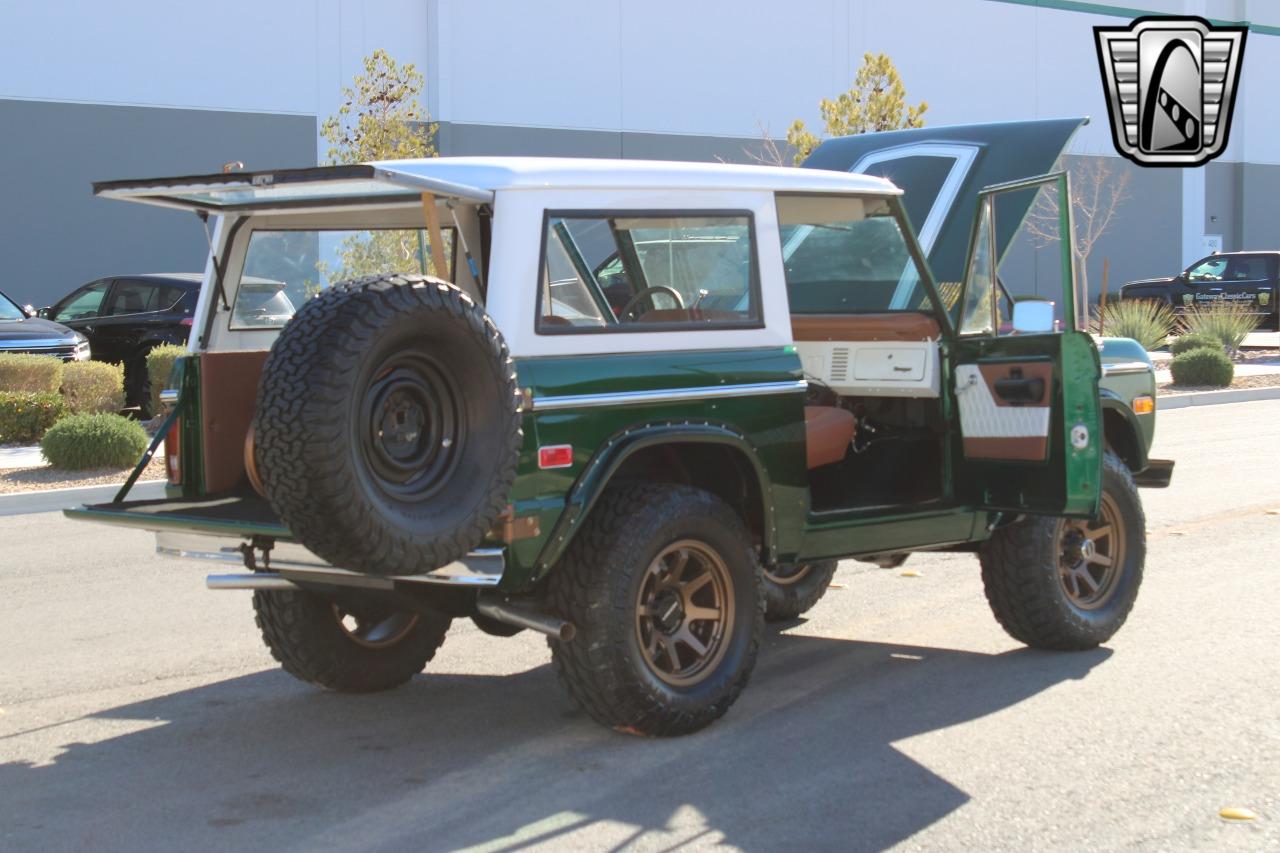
[[387, 427]]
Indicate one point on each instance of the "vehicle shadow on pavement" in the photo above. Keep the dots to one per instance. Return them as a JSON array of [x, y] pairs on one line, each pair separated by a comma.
[[805, 759]]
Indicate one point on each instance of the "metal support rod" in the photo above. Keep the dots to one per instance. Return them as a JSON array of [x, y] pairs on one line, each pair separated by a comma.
[[260, 580], [526, 617]]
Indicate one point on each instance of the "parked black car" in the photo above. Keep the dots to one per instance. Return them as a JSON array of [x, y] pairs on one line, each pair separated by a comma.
[[124, 317], [22, 331], [1249, 278]]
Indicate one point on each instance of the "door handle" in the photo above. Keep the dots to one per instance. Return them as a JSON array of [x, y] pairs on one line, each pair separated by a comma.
[[1013, 390]]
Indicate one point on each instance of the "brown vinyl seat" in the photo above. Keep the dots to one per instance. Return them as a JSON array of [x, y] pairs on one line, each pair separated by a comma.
[[828, 433]]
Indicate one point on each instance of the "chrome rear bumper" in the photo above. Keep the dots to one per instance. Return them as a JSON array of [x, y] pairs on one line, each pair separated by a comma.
[[292, 562]]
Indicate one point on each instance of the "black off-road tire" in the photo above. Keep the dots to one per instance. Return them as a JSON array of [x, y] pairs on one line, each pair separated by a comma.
[[305, 634], [790, 591], [412, 357], [596, 584], [1022, 571]]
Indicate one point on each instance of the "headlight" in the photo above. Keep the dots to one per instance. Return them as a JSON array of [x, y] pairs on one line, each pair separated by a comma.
[[81, 352]]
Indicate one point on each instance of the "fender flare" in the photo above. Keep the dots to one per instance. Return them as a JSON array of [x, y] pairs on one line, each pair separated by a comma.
[[599, 471], [1111, 402]]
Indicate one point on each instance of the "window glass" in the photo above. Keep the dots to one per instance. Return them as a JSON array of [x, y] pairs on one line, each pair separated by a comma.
[[1246, 269], [133, 297], [976, 317], [9, 309], [844, 254], [86, 302], [282, 268], [1210, 269], [640, 270]]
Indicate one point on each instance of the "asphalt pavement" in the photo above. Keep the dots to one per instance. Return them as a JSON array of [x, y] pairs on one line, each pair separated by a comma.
[[141, 712]]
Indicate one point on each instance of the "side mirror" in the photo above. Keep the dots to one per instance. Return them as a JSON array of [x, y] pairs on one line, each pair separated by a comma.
[[44, 312], [1033, 316], [1184, 275]]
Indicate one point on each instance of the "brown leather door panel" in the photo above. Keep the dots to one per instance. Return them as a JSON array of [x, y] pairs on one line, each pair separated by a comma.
[[1006, 415], [228, 396]]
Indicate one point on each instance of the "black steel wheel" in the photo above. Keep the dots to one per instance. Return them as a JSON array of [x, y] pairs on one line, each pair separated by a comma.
[[792, 590], [663, 587], [1057, 583]]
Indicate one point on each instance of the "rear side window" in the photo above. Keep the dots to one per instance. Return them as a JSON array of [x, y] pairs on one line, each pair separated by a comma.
[[644, 271], [1247, 269]]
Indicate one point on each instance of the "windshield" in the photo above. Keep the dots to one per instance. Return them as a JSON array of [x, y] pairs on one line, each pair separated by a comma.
[[9, 309], [846, 254], [283, 268]]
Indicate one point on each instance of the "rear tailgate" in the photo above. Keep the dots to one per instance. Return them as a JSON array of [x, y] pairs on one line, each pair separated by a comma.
[[227, 514]]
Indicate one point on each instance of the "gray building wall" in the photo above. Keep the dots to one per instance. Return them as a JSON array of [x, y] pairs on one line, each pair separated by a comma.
[[54, 236], [503, 140], [1142, 241]]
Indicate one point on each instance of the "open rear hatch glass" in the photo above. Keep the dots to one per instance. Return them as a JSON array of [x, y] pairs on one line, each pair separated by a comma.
[[290, 189]]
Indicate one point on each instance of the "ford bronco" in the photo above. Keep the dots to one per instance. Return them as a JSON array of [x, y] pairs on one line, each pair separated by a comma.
[[638, 407]]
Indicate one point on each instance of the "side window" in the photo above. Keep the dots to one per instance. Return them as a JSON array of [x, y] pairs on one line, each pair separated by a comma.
[[1210, 269], [133, 297], [636, 271], [83, 304], [1246, 269]]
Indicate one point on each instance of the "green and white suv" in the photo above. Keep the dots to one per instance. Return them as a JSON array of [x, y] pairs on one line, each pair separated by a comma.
[[638, 406]]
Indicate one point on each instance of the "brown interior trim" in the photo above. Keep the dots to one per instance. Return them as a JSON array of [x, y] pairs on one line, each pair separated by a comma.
[[228, 396], [1031, 448], [890, 326], [1042, 370]]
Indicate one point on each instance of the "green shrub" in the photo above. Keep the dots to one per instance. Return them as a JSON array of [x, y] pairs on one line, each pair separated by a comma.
[[1146, 321], [1227, 322], [24, 416], [94, 441], [1188, 342], [31, 374], [159, 365], [93, 386], [1202, 367]]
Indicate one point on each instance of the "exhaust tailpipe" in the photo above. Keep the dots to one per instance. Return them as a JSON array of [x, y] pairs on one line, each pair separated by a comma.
[[523, 616]]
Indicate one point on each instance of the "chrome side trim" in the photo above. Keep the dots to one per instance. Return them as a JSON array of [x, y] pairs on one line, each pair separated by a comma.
[[482, 567], [668, 395], [261, 580], [1122, 367]]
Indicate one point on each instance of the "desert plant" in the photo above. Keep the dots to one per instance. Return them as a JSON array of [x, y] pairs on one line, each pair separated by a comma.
[[93, 386], [1146, 321], [1202, 367], [25, 416], [31, 374], [159, 365], [1226, 322], [94, 441], [1186, 343]]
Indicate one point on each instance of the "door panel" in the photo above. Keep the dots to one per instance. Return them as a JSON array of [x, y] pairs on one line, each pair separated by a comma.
[[1004, 408]]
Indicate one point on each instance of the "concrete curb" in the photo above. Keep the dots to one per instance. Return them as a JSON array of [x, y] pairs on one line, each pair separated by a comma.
[[1212, 398]]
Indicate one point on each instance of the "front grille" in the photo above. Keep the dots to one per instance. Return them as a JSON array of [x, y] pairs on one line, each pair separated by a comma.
[[66, 352]]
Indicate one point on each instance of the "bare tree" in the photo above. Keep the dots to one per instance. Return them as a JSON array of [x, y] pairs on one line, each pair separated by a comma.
[[1097, 191]]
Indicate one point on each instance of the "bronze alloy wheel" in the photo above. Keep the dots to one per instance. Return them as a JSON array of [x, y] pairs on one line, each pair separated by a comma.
[[684, 613], [787, 575], [1091, 555], [375, 630]]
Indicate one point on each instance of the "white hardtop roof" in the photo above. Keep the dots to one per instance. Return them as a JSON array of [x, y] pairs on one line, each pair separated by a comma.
[[526, 173], [473, 179]]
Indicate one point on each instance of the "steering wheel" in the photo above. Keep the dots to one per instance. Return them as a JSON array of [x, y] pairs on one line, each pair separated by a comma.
[[634, 301]]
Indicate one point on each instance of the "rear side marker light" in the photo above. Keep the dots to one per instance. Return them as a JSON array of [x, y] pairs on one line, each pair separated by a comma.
[[173, 453], [1144, 405], [555, 456]]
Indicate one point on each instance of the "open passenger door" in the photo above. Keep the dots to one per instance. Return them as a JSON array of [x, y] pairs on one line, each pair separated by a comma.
[[1025, 391]]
